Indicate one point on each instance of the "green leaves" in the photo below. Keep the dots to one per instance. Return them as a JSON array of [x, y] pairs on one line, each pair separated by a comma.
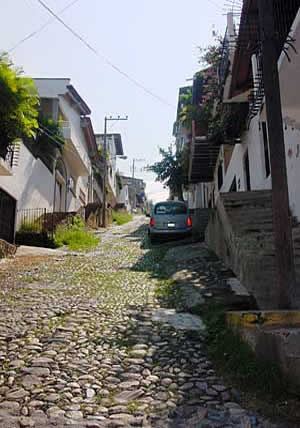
[[18, 105], [170, 171]]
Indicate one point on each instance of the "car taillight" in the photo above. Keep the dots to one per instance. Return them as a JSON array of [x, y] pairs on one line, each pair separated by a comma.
[[152, 222], [189, 222]]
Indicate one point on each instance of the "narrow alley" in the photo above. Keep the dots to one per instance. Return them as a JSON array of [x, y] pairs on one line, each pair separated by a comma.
[[80, 345]]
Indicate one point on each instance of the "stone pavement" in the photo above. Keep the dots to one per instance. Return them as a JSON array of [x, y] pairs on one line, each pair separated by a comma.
[[84, 343]]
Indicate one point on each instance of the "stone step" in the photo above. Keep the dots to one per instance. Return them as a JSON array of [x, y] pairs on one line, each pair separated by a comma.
[[244, 196]]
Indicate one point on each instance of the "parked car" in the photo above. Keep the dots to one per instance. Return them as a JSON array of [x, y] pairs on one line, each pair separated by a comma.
[[169, 219]]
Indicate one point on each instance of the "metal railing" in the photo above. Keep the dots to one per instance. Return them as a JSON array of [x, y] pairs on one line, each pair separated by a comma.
[[42, 220], [64, 124], [35, 220]]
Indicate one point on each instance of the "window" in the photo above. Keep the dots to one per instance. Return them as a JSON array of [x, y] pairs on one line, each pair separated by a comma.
[[266, 148], [220, 176], [233, 187], [171, 208], [247, 171]]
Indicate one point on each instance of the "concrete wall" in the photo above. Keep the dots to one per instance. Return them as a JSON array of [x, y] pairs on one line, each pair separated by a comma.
[[123, 197], [32, 184], [77, 135], [292, 145], [253, 143], [194, 196], [274, 336], [112, 161]]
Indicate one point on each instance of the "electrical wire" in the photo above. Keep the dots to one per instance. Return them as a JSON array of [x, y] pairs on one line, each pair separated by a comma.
[[41, 28], [104, 58]]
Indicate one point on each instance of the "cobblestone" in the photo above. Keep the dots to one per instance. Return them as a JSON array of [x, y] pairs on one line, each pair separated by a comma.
[[79, 345]]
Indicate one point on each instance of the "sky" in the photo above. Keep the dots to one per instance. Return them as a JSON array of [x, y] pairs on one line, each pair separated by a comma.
[[154, 42]]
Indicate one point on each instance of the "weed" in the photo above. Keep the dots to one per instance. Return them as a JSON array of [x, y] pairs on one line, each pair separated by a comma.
[[168, 292], [121, 217], [132, 407], [30, 226], [76, 237], [234, 357]]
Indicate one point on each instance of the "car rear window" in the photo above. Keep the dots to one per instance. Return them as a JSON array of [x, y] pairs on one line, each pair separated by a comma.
[[173, 209]]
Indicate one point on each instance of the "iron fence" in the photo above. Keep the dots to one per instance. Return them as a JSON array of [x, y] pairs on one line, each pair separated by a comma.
[[37, 220], [43, 220]]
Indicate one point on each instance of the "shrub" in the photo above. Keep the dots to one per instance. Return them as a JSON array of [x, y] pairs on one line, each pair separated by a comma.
[[121, 217], [75, 236]]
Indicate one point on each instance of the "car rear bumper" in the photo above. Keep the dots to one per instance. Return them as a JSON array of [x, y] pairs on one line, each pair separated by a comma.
[[160, 233]]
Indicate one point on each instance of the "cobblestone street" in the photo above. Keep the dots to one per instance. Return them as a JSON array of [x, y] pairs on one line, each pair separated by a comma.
[[79, 345]]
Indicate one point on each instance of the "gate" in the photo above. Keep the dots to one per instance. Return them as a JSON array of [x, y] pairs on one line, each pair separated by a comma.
[[7, 216]]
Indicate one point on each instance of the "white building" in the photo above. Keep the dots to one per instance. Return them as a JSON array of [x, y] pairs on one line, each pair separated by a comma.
[[246, 166], [66, 184], [114, 148]]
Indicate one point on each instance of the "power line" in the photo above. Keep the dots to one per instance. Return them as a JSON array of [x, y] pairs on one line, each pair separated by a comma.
[[104, 58], [41, 28]]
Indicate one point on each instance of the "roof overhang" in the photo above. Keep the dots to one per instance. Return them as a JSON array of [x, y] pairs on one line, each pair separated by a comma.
[[90, 138], [241, 80], [80, 103], [248, 40]]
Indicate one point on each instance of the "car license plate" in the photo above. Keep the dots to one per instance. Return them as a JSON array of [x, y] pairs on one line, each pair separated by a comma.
[[171, 224]]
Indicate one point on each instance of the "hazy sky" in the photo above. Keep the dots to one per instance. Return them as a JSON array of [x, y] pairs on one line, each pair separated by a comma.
[[155, 42]]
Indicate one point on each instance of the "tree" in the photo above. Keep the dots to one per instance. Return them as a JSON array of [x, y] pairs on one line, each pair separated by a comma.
[[18, 105], [169, 171]]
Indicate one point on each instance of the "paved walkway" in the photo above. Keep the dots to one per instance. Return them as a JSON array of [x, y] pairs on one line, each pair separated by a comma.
[[84, 343]]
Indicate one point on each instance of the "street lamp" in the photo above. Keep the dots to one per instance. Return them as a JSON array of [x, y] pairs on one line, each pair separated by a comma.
[[106, 119]]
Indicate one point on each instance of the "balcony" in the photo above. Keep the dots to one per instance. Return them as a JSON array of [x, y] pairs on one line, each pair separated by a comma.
[[73, 150], [65, 129]]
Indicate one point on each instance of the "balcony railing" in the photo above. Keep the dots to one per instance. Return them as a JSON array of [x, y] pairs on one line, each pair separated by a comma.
[[65, 129]]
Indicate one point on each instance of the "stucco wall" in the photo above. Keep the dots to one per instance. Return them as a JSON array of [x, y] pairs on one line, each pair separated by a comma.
[[253, 142], [32, 184], [77, 135], [292, 145]]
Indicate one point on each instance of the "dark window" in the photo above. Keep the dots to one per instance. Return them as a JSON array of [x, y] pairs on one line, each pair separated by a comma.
[[220, 176], [266, 148], [170, 208], [247, 171], [7, 216], [233, 185]]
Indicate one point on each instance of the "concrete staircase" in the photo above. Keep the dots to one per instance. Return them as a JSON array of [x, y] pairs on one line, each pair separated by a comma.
[[241, 232]]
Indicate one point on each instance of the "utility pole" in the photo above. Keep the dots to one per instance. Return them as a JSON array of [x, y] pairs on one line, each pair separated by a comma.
[[284, 256], [106, 119]]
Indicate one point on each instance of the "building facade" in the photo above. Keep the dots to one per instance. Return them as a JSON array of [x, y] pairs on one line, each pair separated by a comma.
[[62, 180]]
